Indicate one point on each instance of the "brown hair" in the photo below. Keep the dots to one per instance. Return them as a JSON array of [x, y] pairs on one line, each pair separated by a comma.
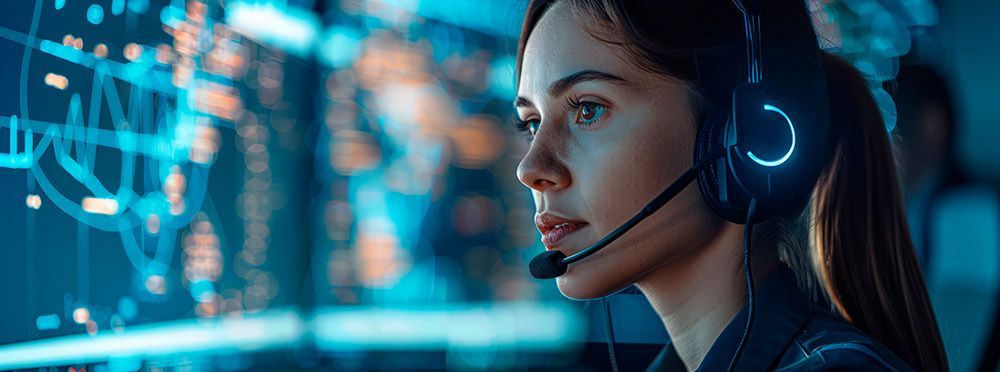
[[861, 242], [861, 248]]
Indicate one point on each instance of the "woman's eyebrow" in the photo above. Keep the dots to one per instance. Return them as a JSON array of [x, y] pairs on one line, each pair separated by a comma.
[[560, 86], [522, 102]]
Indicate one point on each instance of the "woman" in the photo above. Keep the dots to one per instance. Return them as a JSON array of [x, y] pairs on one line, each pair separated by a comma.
[[613, 92]]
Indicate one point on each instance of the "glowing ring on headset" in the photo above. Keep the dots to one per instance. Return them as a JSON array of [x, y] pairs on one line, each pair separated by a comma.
[[783, 159]]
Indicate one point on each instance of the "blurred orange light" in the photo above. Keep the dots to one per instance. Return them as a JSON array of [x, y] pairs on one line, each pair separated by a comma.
[[174, 187], [205, 144], [156, 284], [380, 259], [132, 51], [164, 54], [105, 206], [92, 327], [33, 201], [56, 81], [101, 51], [351, 151], [81, 315], [478, 141], [153, 224]]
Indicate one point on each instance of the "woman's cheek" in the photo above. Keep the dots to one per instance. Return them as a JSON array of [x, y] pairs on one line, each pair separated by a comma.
[[611, 185]]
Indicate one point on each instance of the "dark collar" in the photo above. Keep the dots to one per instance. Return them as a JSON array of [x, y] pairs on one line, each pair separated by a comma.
[[780, 311]]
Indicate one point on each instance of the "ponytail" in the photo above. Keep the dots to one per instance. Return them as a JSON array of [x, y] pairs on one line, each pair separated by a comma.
[[863, 252]]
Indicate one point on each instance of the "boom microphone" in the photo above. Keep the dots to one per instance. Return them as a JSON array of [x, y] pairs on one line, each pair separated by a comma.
[[551, 264]]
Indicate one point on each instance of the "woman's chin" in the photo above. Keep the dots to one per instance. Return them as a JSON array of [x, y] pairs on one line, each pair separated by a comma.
[[576, 285]]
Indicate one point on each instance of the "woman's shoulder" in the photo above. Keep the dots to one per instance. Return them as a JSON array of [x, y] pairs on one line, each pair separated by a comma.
[[828, 343]]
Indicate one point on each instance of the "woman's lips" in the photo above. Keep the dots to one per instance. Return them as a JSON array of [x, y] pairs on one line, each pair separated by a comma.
[[556, 229], [561, 232]]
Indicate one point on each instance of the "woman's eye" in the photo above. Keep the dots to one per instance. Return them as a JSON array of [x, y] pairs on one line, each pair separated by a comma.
[[530, 126], [589, 112]]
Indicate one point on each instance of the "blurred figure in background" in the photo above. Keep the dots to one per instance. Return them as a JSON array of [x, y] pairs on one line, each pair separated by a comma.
[[926, 148], [953, 219]]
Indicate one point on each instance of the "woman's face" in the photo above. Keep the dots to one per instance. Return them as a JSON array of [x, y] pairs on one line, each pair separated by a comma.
[[607, 137]]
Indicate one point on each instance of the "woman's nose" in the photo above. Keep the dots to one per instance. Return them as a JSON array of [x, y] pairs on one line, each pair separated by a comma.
[[541, 170]]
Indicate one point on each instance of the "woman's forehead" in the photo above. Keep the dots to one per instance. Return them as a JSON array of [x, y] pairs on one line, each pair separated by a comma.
[[560, 45]]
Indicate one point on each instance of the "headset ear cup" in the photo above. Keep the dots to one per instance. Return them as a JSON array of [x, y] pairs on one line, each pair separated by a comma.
[[716, 180], [710, 136], [707, 177]]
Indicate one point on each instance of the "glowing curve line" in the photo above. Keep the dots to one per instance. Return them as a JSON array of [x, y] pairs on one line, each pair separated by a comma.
[[791, 148], [140, 73], [126, 142], [15, 36], [22, 88], [86, 137]]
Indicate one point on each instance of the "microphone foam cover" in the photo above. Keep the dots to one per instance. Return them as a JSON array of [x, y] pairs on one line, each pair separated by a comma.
[[547, 265]]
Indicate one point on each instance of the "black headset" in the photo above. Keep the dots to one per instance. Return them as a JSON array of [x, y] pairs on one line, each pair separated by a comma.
[[769, 154], [756, 161]]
